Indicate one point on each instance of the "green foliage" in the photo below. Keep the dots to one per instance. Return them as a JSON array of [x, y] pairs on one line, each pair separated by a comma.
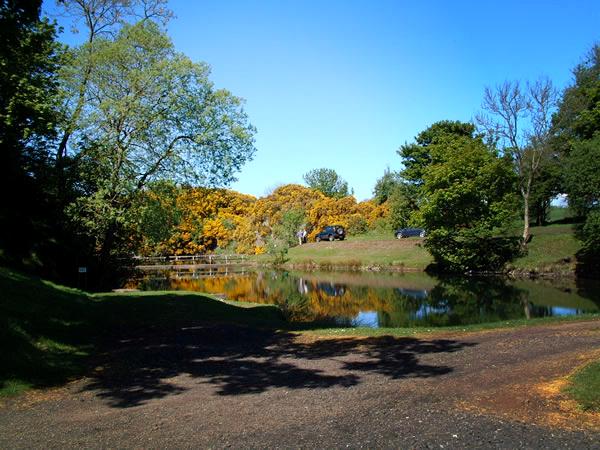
[[404, 203], [582, 183], [467, 197], [158, 214], [577, 134], [151, 114], [416, 157], [385, 186], [278, 248], [578, 116], [29, 58], [471, 250], [283, 235], [328, 182], [291, 222], [548, 185], [582, 175], [357, 224], [589, 254]]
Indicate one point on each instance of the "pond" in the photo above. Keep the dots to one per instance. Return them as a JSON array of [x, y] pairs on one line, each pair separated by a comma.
[[386, 299]]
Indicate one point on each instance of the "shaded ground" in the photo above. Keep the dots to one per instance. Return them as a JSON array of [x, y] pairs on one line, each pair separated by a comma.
[[207, 386]]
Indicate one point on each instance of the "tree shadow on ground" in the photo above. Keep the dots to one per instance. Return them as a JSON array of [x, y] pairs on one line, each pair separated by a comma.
[[239, 360]]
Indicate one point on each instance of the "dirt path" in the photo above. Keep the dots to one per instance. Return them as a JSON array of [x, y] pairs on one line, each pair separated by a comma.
[[209, 386]]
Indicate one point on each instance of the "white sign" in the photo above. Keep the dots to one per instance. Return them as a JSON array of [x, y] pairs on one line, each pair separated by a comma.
[[82, 269]]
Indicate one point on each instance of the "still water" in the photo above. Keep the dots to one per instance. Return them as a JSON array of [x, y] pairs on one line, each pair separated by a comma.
[[384, 299]]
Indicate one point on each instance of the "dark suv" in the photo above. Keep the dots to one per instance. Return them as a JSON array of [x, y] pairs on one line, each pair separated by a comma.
[[408, 232], [330, 233]]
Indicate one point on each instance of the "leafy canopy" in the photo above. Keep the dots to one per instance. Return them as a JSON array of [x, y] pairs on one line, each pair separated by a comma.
[[328, 182], [467, 196]]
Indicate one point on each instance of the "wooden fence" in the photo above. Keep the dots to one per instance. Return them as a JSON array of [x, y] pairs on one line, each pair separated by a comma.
[[188, 261]]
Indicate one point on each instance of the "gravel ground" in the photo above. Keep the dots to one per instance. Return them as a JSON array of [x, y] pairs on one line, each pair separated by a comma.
[[215, 387]]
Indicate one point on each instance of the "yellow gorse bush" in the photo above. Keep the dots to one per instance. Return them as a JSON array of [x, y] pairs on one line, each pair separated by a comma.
[[212, 219]]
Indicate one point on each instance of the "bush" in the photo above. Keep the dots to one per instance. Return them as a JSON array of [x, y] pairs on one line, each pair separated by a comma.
[[589, 256], [357, 225], [469, 250], [278, 249]]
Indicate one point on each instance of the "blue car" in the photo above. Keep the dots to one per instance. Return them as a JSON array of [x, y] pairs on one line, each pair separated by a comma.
[[408, 232]]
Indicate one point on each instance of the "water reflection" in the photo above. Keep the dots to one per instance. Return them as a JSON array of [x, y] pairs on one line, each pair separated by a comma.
[[385, 300]]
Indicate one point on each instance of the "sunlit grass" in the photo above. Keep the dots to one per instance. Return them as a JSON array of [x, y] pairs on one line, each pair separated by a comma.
[[413, 331], [362, 252], [551, 246], [584, 387]]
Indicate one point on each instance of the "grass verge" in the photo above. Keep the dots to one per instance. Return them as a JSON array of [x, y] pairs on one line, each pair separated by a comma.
[[552, 249], [584, 387], [414, 331]]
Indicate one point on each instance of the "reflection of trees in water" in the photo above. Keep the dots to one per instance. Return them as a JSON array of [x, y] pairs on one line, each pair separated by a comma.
[[460, 301], [589, 289], [453, 301]]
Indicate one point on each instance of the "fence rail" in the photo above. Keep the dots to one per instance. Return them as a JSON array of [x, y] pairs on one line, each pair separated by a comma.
[[189, 261]]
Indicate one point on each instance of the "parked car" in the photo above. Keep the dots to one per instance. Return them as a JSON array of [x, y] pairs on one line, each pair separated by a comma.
[[330, 233], [408, 232]]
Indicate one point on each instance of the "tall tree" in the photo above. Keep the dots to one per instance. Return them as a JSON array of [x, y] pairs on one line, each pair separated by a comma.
[[385, 186], [328, 182], [151, 114], [100, 19], [29, 59], [519, 119], [578, 115], [467, 199], [577, 132], [417, 157]]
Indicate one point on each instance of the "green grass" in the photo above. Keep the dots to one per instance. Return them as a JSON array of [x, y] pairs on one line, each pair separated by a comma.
[[373, 235], [557, 214], [373, 249], [48, 332], [584, 387], [412, 331], [552, 248]]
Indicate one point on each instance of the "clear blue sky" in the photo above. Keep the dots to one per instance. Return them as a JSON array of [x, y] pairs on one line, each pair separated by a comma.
[[342, 84]]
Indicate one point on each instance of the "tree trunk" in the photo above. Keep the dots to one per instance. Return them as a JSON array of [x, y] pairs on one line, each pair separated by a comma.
[[526, 234]]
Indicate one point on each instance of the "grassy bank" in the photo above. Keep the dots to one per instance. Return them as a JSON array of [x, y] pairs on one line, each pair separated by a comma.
[[552, 249], [584, 387], [372, 250], [48, 332]]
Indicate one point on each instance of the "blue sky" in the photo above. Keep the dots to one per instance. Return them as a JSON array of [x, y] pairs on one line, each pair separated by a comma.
[[342, 84]]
